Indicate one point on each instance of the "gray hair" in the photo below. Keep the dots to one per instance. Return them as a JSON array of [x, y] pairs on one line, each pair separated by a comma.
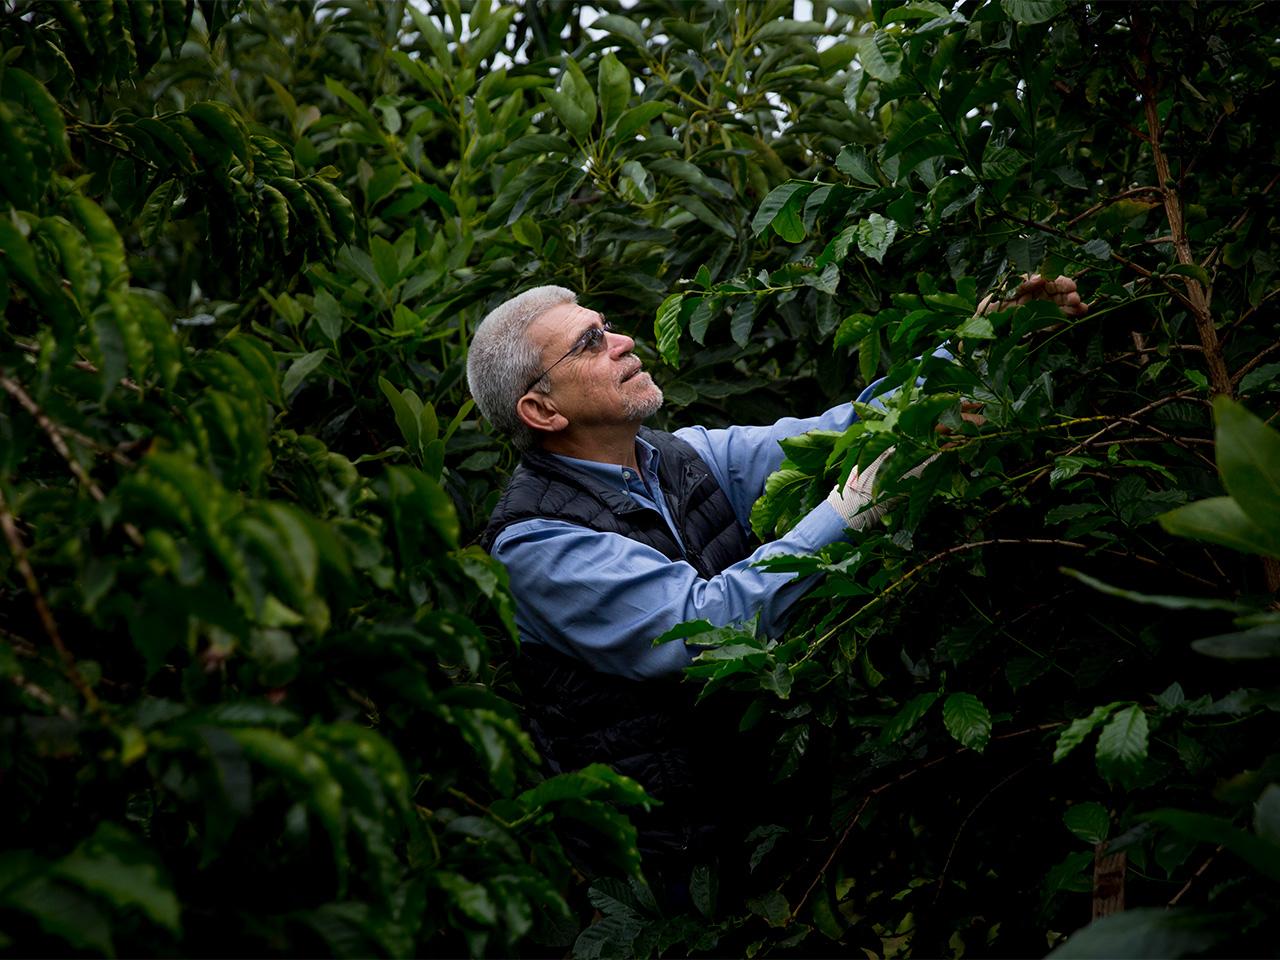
[[502, 360]]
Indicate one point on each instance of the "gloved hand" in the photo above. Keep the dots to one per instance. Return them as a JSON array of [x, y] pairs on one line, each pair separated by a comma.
[[851, 497]]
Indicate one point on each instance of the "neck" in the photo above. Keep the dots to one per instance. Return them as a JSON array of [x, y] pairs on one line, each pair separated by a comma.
[[615, 445]]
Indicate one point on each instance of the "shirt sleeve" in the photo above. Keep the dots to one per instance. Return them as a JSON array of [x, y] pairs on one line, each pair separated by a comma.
[[603, 597]]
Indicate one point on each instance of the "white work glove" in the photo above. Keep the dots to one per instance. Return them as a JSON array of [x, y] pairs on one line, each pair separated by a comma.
[[851, 498]]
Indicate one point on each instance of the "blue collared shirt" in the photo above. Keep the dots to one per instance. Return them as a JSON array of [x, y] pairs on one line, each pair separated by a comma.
[[603, 597]]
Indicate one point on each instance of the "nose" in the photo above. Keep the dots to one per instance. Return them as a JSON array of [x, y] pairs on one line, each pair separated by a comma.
[[619, 344]]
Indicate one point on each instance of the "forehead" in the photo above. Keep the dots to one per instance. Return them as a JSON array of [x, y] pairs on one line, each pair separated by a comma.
[[561, 325]]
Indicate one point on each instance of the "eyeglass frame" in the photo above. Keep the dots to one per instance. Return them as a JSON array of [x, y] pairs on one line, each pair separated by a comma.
[[591, 337]]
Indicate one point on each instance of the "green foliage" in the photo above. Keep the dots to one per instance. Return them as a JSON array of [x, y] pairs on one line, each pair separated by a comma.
[[255, 677]]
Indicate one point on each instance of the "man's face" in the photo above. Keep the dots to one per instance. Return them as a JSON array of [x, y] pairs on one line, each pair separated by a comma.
[[602, 384]]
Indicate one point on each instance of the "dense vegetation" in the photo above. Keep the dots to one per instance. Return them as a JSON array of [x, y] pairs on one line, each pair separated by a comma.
[[256, 696]]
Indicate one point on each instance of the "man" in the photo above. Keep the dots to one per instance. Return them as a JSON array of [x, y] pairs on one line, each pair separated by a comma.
[[613, 533]]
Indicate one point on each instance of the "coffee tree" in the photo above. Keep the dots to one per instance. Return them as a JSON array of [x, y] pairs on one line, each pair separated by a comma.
[[255, 676]]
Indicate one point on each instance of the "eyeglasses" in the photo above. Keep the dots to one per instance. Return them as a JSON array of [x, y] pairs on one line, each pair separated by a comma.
[[591, 341]]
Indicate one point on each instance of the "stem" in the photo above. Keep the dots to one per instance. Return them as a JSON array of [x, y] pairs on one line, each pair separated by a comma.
[[45, 616], [14, 389]]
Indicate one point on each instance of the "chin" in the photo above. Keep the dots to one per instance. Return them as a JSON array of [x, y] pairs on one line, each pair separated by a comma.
[[642, 406]]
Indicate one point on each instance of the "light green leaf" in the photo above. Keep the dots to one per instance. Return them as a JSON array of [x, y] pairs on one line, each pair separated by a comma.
[[1122, 745], [881, 56], [875, 234], [1248, 455], [666, 328], [1257, 643], [1220, 520], [1157, 600], [967, 720], [300, 368], [1080, 728], [1266, 815], [614, 87]]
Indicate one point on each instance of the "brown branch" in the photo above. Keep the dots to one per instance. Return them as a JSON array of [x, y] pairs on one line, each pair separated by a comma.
[[1197, 295], [1239, 374], [84, 365], [1236, 224], [45, 616], [1203, 867], [1122, 195], [14, 389], [42, 696]]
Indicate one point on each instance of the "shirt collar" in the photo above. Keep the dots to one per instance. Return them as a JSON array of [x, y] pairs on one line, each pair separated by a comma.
[[647, 457]]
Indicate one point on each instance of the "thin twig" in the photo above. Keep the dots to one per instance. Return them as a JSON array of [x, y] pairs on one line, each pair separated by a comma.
[[45, 616], [14, 389], [1122, 195], [876, 791], [1239, 374], [919, 568], [946, 864], [1203, 867]]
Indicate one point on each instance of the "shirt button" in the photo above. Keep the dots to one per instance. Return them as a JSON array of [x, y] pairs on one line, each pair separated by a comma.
[[626, 474]]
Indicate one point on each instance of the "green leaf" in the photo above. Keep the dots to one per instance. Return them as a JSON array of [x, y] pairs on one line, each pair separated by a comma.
[[907, 717], [666, 328], [1248, 455], [1088, 821], [328, 314], [1122, 745], [853, 329], [854, 161], [978, 327], [21, 85], [1257, 643], [875, 234], [1080, 728], [967, 720], [1033, 11], [118, 866], [623, 27], [570, 113], [1145, 933], [1261, 854], [881, 56], [300, 368], [614, 88], [407, 412], [705, 214], [1027, 253], [1157, 600], [778, 199], [640, 116], [1220, 520]]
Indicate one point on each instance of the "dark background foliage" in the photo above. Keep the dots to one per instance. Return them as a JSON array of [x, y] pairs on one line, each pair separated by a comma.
[[255, 685]]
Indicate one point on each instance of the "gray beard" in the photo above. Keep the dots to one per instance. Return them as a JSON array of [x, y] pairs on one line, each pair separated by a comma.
[[641, 408]]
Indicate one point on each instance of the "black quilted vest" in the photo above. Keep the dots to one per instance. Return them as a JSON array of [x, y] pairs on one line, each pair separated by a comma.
[[648, 730]]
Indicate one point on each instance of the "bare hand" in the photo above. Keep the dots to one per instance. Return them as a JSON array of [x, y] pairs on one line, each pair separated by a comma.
[[1061, 291]]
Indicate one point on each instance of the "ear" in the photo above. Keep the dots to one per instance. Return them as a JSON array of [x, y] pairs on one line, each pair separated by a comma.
[[538, 412]]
